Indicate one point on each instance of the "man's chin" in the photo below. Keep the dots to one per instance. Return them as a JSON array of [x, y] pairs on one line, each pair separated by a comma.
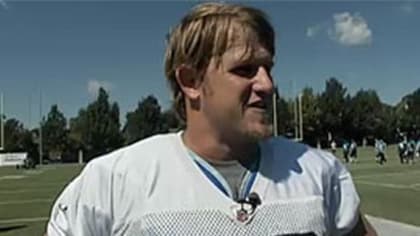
[[260, 132]]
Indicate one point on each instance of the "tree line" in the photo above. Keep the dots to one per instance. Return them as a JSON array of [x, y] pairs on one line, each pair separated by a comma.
[[330, 114]]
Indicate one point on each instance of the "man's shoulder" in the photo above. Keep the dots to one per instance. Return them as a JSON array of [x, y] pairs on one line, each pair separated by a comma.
[[287, 150], [112, 173], [137, 155]]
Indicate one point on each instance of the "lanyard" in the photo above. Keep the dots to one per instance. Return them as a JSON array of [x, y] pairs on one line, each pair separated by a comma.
[[217, 179], [249, 181]]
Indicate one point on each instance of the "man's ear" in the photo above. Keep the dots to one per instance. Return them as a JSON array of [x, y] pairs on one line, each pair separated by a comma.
[[187, 79]]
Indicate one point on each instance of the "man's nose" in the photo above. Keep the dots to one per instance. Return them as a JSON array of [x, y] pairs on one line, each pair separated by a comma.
[[263, 81]]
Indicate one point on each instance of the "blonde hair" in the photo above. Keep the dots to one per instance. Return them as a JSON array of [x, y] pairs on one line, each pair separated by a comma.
[[206, 32]]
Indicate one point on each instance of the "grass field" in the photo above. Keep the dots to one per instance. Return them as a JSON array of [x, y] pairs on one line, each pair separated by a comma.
[[25, 202], [391, 191]]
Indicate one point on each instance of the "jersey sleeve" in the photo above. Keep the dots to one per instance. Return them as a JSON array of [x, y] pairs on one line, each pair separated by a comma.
[[344, 200], [83, 207]]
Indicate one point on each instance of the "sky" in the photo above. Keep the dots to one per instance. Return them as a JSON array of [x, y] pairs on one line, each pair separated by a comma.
[[61, 52]]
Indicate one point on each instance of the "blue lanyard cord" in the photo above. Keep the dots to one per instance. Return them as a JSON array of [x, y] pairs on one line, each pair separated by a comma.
[[212, 178], [220, 182], [211, 174], [249, 180]]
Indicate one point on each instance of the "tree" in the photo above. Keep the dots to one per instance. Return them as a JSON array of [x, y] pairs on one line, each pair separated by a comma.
[[284, 117], [97, 128], [332, 104], [145, 121], [311, 116], [79, 131], [408, 113], [30, 145], [388, 127], [54, 132], [366, 115], [14, 135], [19, 139], [170, 121]]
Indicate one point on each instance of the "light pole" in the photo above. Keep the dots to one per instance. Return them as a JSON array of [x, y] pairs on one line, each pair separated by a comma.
[[296, 123], [1, 121], [300, 117], [40, 129], [275, 125]]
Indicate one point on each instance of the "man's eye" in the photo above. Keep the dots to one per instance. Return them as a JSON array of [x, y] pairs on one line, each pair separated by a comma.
[[247, 71], [268, 68]]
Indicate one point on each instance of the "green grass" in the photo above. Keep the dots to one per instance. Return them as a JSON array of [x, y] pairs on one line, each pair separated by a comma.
[[391, 191], [29, 199]]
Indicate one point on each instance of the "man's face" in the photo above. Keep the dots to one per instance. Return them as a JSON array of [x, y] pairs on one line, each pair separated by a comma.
[[237, 93]]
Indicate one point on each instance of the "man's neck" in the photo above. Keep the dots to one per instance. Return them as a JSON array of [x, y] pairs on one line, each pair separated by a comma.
[[213, 147]]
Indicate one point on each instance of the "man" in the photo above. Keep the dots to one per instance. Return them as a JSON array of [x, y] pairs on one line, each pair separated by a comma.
[[411, 146], [223, 175], [353, 151], [402, 150], [346, 150], [380, 147], [333, 146]]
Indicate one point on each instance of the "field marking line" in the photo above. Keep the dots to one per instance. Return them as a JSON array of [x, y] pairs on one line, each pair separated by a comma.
[[12, 177], [27, 201], [23, 220], [34, 172], [30, 172], [394, 186], [50, 184], [24, 174], [386, 174], [26, 190], [415, 186]]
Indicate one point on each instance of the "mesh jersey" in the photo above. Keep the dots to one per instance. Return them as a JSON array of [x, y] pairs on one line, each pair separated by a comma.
[[153, 187]]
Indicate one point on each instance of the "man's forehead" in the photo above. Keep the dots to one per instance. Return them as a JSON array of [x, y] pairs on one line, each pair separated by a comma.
[[247, 52]]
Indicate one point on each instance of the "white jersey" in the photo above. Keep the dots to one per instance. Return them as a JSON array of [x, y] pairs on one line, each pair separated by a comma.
[[154, 187]]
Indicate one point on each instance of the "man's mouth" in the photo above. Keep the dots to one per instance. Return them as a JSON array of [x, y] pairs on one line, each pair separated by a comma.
[[259, 104]]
